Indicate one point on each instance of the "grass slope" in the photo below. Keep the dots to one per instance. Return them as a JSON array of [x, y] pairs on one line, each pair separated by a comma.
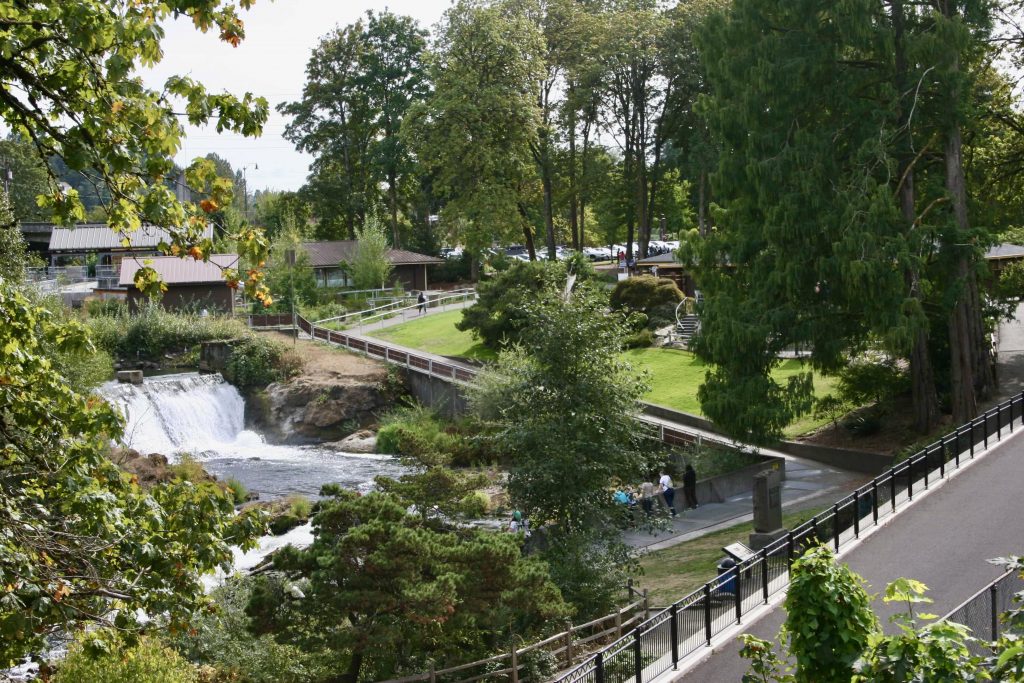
[[675, 572], [674, 375], [436, 333]]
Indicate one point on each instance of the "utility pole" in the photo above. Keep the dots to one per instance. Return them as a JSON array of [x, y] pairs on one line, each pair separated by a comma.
[[289, 258], [245, 189]]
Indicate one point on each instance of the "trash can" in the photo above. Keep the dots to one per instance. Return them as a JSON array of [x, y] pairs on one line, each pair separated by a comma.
[[727, 575]]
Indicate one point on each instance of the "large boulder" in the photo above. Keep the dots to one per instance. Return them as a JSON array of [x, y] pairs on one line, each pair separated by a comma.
[[310, 409], [363, 441]]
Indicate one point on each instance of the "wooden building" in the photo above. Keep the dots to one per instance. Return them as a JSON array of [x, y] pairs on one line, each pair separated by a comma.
[[327, 259], [191, 285]]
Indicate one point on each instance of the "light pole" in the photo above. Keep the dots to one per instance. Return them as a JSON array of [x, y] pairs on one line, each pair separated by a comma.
[[289, 258], [245, 188]]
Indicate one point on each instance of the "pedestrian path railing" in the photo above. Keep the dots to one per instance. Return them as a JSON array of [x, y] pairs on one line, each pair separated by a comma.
[[981, 612], [690, 624]]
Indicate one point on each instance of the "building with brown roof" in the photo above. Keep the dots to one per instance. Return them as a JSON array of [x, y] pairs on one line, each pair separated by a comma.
[[327, 259], [191, 285]]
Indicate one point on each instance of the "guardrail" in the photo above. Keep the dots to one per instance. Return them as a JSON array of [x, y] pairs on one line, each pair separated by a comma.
[[410, 303], [691, 623], [981, 611]]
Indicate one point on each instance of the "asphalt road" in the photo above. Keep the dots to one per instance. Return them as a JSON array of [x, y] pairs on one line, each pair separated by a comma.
[[943, 540]]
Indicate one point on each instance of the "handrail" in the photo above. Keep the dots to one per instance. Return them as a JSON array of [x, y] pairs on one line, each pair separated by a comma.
[[726, 599]]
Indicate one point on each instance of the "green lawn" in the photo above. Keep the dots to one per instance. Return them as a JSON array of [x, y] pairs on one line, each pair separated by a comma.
[[436, 333], [675, 572], [674, 375]]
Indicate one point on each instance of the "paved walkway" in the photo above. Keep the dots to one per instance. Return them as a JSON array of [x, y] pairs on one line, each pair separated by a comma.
[[808, 484], [407, 316], [943, 539]]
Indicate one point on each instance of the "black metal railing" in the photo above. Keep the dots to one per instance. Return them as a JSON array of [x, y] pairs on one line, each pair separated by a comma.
[[692, 622], [981, 611]]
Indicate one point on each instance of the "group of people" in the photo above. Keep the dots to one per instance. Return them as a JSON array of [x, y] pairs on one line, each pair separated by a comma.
[[667, 489]]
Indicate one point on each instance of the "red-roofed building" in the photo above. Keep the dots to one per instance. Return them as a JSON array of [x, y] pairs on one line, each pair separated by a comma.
[[191, 285], [326, 258]]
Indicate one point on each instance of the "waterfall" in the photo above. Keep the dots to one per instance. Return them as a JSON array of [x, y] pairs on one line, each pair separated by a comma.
[[179, 413]]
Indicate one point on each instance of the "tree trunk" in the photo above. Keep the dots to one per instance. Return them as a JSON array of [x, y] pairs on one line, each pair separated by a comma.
[[549, 220], [396, 239], [574, 226], [922, 375], [527, 232], [702, 226]]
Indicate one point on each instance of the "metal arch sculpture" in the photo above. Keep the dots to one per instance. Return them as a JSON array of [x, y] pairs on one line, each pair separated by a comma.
[[688, 306]]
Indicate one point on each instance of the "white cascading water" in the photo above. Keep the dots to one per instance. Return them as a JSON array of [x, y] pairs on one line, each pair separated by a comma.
[[180, 413], [203, 415]]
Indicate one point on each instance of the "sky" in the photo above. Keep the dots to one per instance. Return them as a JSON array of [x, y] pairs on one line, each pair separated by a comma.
[[271, 62]]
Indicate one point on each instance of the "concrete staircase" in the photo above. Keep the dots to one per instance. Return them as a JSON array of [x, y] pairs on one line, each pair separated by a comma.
[[686, 328]]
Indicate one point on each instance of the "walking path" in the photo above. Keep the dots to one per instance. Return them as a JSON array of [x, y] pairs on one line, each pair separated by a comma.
[[944, 539]]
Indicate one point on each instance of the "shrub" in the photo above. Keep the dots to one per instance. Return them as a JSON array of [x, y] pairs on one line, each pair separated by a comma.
[[639, 340], [153, 332], [222, 642], [648, 295], [106, 307], [300, 506], [452, 270], [238, 490], [189, 469], [418, 434], [873, 380], [500, 313], [256, 362], [475, 504], [105, 657]]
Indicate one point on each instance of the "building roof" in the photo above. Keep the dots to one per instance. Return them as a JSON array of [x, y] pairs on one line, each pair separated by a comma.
[[1002, 251], [660, 260], [331, 254], [99, 236], [179, 271]]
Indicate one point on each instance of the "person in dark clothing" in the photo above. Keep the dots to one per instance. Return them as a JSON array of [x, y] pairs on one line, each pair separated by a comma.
[[422, 301], [690, 487]]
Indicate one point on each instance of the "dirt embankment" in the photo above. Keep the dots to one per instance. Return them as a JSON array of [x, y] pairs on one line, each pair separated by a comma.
[[336, 394]]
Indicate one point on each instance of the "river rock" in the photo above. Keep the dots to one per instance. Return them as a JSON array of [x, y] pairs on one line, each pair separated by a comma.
[[363, 441], [315, 410], [129, 376]]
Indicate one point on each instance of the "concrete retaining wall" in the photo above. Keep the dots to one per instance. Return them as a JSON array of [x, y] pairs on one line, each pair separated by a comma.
[[843, 458], [721, 488], [442, 395], [857, 461]]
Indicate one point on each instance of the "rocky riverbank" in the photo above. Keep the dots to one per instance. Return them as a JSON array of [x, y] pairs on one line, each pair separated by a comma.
[[336, 394]]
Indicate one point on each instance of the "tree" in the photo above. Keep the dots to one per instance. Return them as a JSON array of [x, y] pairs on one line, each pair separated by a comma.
[[500, 315], [561, 405], [81, 541], [475, 130], [370, 266], [360, 82], [383, 590], [13, 249], [292, 283], [28, 178], [70, 89]]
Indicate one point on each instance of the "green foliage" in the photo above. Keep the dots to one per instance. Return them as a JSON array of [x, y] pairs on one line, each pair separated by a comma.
[[640, 339], [420, 435], [239, 491], [384, 590], [30, 179], [877, 381], [257, 361], [290, 283], [827, 603], [153, 332], [221, 640], [189, 469], [13, 249], [80, 100], [474, 131], [439, 490], [360, 82], [70, 507], [561, 406], [107, 657], [646, 294], [370, 267], [501, 312]]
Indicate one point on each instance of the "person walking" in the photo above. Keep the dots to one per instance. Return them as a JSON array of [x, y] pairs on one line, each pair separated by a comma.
[[647, 498], [668, 490], [690, 487], [422, 301]]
